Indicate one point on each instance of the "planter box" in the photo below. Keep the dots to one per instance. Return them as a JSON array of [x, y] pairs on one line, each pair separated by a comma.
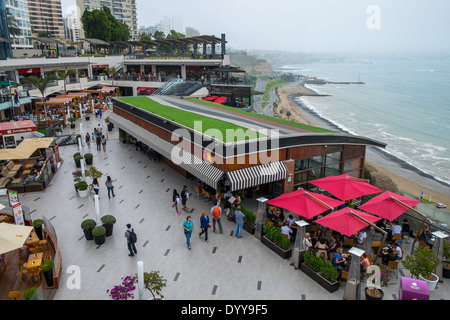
[[285, 254], [329, 286], [250, 228]]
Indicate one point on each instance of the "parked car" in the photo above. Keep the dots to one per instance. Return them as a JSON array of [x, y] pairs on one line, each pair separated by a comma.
[[441, 205]]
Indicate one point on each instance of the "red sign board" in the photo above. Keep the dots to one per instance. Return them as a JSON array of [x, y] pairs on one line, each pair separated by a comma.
[[17, 127], [100, 66], [29, 71]]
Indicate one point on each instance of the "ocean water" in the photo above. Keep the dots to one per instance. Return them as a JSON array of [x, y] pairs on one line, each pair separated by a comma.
[[404, 103]]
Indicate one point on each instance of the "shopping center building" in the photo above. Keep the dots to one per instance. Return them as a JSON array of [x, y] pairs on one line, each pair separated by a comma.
[[223, 146]]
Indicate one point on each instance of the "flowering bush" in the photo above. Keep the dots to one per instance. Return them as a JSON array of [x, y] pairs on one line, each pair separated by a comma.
[[77, 175], [125, 290]]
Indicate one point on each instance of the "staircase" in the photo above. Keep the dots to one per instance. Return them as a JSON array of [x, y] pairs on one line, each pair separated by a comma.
[[179, 88], [166, 87]]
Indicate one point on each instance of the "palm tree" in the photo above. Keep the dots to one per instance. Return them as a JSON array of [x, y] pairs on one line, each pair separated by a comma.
[[62, 75], [288, 114], [41, 84]]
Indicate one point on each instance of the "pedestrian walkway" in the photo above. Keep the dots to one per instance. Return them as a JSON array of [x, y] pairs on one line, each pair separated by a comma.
[[225, 268]]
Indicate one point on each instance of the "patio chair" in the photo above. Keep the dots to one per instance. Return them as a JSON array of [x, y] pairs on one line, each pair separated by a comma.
[[22, 270], [14, 295], [349, 242], [397, 237]]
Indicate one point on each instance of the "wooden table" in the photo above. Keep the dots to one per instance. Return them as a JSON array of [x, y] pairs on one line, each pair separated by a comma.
[[18, 180], [34, 260], [27, 172], [29, 166], [33, 241]]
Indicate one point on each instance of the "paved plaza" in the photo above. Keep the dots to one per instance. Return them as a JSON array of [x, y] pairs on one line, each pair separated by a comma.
[[225, 268]]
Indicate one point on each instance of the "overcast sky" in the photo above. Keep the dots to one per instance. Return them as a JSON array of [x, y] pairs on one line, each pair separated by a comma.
[[377, 26]]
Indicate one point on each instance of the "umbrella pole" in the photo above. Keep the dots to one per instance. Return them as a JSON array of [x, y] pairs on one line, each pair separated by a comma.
[[417, 235], [412, 209], [376, 227], [318, 200]]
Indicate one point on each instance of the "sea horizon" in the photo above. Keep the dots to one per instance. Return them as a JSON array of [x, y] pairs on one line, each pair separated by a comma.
[[404, 103]]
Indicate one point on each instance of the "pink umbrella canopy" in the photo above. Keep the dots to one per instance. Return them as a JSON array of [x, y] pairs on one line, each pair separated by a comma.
[[345, 222], [386, 206], [346, 187], [305, 203]]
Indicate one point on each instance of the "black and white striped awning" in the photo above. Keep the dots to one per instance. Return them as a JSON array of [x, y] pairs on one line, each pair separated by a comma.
[[257, 175], [199, 168]]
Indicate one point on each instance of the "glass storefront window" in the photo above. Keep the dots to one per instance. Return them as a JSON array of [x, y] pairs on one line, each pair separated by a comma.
[[332, 170], [301, 165], [333, 157], [300, 177], [317, 161]]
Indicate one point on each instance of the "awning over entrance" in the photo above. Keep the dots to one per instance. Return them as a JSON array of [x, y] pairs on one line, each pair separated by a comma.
[[194, 165], [257, 175], [25, 149]]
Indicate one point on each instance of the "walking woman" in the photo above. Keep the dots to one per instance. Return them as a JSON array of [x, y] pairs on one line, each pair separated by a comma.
[[104, 142], [204, 225], [175, 200], [188, 226], [95, 186], [88, 140], [110, 187]]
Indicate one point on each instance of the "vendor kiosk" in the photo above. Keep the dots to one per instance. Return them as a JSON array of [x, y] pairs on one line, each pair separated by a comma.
[[12, 133]]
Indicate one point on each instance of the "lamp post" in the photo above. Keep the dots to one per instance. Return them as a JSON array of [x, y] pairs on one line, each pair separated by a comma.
[[140, 274], [260, 217], [299, 247]]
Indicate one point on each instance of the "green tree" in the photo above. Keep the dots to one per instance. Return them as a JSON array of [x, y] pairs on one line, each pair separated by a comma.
[[41, 84], [101, 24], [288, 114]]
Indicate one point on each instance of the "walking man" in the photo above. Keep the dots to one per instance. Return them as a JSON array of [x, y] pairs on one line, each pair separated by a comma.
[[184, 196], [98, 141], [216, 211], [239, 221], [204, 224], [131, 240]]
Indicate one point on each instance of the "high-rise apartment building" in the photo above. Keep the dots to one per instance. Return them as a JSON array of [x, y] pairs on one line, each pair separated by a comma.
[[19, 10], [72, 25], [46, 17], [122, 10]]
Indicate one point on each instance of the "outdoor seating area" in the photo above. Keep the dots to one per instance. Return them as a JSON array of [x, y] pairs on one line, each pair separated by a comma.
[[335, 226], [29, 167], [24, 253]]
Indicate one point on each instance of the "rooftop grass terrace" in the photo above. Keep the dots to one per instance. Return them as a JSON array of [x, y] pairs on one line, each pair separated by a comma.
[[260, 116], [219, 129]]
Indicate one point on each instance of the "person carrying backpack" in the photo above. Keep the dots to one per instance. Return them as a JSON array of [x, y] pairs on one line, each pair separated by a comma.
[[216, 211], [131, 240]]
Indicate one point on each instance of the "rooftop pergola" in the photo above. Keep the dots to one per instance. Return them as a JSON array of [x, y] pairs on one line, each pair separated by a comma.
[[194, 41], [95, 42], [49, 41]]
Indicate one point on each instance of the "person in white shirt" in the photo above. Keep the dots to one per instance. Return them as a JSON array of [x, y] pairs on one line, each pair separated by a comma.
[[307, 241], [285, 229], [361, 236]]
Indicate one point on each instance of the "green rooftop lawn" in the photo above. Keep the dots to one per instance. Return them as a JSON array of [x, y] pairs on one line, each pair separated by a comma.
[[256, 115], [187, 119]]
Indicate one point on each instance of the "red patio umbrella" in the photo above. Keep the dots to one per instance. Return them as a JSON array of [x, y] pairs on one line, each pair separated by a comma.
[[389, 205], [304, 203], [346, 187], [347, 221]]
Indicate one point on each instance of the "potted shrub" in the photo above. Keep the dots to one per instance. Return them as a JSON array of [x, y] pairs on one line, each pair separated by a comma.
[[93, 173], [99, 234], [446, 262], [422, 263], [77, 158], [108, 222], [72, 122], [83, 189], [154, 282], [88, 157], [29, 294], [385, 277], [47, 270], [87, 226], [37, 224], [87, 117], [58, 132]]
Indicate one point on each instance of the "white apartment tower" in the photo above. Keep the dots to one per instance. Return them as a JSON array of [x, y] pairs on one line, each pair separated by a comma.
[[122, 10]]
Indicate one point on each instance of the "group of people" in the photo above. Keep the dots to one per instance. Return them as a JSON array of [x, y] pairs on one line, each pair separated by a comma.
[[98, 137], [108, 183], [231, 207]]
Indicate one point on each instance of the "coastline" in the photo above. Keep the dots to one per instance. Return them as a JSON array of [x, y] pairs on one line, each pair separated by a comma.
[[398, 174]]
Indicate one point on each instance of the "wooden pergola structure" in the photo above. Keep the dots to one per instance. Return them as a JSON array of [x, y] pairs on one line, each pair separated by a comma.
[[59, 104], [82, 97], [103, 92]]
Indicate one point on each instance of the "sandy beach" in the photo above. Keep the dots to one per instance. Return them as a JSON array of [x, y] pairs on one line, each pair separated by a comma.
[[391, 172]]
